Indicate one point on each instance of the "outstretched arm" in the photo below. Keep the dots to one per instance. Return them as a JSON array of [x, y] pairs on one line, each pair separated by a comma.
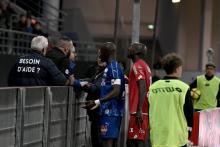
[[94, 104]]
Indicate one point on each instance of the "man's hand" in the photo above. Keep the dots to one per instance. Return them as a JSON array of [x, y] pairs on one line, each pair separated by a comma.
[[71, 80], [84, 83], [189, 132], [91, 105], [87, 85], [139, 118]]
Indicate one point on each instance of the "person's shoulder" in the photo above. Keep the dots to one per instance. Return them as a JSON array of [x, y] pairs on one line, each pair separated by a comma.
[[27, 56], [113, 64], [183, 84], [54, 52], [140, 62], [200, 76], [155, 84], [47, 60], [50, 52], [217, 78]]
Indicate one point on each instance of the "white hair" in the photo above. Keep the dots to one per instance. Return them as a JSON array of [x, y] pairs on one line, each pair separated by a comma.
[[72, 49], [39, 43]]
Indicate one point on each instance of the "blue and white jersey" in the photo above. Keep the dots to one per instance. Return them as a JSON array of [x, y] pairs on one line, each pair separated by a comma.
[[113, 74]]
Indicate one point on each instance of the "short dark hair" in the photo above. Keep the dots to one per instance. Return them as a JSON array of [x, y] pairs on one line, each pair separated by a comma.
[[107, 49], [61, 42], [139, 48], [171, 62], [210, 64], [65, 38]]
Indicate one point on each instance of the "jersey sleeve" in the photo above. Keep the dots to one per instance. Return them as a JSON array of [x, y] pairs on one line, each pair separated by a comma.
[[138, 72], [115, 73]]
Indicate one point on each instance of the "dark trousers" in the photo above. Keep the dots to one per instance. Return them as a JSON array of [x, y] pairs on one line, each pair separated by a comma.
[[96, 141]]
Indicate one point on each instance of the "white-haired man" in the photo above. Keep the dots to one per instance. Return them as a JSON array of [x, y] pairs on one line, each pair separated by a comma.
[[34, 69]]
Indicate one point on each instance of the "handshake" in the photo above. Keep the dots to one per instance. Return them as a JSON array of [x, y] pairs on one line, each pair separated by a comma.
[[91, 104]]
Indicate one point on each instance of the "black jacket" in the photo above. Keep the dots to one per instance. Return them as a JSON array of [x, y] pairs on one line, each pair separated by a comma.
[[35, 70], [94, 93], [60, 59]]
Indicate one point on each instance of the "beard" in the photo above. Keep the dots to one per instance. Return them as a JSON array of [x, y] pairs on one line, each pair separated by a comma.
[[131, 56], [68, 53]]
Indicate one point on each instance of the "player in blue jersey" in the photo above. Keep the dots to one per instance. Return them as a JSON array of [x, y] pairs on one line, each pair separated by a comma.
[[111, 100]]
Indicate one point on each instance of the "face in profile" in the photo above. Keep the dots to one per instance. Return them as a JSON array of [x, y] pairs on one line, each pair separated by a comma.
[[67, 48], [179, 71], [102, 56], [73, 56], [130, 53], [99, 61]]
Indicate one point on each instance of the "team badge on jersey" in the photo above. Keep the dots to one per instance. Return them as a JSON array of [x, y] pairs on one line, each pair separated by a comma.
[[103, 129]]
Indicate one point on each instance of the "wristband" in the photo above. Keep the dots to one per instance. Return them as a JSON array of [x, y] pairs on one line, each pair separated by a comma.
[[190, 129], [97, 102]]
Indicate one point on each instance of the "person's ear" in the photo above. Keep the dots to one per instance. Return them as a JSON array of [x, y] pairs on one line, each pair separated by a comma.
[[68, 53], [104, 64], [44, 51], [176, 70]]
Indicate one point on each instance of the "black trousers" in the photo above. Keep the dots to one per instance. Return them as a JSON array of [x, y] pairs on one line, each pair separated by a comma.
[[95, 137]]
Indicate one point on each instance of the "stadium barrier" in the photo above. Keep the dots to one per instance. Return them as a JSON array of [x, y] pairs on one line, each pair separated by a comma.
[[52, 116], [42, 117], [206, 130], [14, 42]]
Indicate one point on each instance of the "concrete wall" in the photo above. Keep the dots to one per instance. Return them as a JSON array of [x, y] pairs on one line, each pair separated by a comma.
[[188, 28], [168, 24], [179, 30], [215, 40], [189, 33], [99, 15]]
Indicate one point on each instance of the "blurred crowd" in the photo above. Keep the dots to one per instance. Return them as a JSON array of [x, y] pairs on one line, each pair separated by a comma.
[[5, 14], [22, 22], [28, 24]]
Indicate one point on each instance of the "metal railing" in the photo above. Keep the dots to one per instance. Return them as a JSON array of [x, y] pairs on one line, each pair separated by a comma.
[[47, 116], [14, 42], [42, 116], [87, 51], [17, 43], [38, 9]]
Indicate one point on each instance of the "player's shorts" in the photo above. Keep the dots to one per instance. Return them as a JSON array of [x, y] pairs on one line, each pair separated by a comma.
[[110, 127], [134, 132]]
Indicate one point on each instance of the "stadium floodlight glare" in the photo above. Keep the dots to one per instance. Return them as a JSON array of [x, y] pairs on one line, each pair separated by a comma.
[[176, 1]]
